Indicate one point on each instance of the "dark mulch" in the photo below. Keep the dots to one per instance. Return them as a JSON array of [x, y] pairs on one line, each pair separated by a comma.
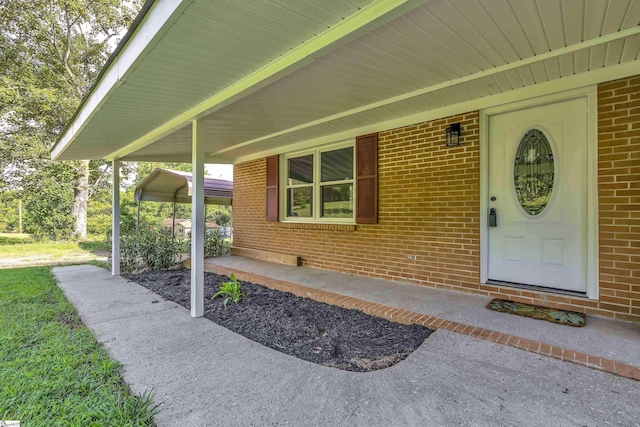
[[320, 333]]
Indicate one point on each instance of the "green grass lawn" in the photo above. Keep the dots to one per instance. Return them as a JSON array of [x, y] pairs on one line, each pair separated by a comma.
[[17, 246], [13, 238], [52, 370]]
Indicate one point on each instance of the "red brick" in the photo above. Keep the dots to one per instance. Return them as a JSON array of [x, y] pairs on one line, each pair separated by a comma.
[[476, 332], [623, 369], [594, 361], [556, 352], [545, 349], [581, 358], [635, 372], [503, 338], [608, 366], [493, 337], [534, 346]]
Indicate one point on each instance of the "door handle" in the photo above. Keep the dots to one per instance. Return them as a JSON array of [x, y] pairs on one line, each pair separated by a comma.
[[493, 217]]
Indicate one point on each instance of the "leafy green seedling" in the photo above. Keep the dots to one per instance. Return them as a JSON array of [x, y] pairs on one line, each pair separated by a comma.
[[230, 290]]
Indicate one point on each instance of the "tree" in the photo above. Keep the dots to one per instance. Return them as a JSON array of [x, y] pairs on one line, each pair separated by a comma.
[[221, 215], [52, 51], [9, 212]]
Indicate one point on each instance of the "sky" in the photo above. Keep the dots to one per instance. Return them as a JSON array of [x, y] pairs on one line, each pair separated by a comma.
[[219, 171]]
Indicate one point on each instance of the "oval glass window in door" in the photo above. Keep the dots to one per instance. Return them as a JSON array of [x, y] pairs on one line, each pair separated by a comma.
[[533, 172]]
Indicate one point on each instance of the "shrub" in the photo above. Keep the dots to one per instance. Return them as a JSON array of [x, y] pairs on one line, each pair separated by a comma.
[[151, 250], [230, 290], [157, 249], [215, 244]]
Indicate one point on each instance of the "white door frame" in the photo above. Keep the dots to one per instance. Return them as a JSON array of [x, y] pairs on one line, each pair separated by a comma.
[[591, 94]]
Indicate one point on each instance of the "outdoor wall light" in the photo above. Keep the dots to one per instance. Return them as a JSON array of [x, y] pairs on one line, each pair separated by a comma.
[[453, 135]]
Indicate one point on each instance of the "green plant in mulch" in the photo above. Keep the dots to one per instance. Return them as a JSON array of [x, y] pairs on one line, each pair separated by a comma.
[[231, 290]]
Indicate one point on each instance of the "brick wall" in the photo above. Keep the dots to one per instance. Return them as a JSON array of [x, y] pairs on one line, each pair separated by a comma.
[[429, 207], [619, 196]]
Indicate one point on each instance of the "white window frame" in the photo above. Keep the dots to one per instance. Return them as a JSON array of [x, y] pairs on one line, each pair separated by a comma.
[[317, 184]]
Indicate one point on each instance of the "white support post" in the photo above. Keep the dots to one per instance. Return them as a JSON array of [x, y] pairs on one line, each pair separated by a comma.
[[115, 220], [197, 222]]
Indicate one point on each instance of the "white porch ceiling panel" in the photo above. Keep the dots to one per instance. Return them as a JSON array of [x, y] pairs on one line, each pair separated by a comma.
[[442, 41], [212, 45], [442, 53]]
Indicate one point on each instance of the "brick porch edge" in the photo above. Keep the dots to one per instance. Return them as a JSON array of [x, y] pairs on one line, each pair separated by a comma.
[[410, 317]]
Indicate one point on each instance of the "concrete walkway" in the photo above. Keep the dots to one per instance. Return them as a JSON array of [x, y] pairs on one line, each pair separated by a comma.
[[207, 375], [605, 338]]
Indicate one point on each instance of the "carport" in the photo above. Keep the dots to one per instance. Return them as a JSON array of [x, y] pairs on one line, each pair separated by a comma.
[[166, 185]]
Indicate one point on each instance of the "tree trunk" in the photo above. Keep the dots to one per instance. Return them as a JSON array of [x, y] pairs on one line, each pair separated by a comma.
[[80, 198], [20, 215]]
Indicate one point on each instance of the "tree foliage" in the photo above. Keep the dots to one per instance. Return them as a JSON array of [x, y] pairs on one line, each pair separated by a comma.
[[52, 51]]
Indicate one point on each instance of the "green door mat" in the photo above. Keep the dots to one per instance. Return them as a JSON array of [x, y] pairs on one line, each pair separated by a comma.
[[554, 315]]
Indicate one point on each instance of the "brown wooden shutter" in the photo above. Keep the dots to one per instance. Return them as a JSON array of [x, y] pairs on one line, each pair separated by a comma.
[[367, 179], [272, 189]]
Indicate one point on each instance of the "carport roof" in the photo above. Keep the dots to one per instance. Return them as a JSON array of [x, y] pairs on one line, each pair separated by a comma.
[[166, 185]]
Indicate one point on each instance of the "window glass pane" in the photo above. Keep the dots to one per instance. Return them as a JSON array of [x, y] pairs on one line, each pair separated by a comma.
[[337, 201], [300, 201], [301, 170], [337, 165], [533, 172]]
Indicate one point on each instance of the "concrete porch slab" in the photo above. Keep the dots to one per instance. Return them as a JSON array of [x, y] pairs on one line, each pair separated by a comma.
[[609, 339]]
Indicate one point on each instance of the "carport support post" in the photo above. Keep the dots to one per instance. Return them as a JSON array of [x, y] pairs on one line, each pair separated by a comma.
[[173, 223], [197, 222], [115, 220], [138, 219]]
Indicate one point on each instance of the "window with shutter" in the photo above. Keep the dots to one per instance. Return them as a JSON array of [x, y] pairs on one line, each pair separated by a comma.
[[319, 185], [332, 184]]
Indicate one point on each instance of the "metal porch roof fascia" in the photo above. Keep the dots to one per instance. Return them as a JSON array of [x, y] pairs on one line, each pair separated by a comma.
[[155, 24]]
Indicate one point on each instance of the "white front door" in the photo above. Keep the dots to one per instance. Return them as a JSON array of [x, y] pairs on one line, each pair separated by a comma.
[[538, 188]]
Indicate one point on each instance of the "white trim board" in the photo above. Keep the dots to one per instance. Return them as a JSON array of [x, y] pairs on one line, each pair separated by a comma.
[[530, 92], [590, 93]]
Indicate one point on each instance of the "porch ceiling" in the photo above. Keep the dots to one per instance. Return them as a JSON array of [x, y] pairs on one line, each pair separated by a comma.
[[437, 54]]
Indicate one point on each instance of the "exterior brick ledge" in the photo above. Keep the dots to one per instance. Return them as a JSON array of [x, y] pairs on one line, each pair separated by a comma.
[[316, 226]]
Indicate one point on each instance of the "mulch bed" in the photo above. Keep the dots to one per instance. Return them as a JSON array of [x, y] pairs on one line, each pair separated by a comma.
[[321, 333]]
